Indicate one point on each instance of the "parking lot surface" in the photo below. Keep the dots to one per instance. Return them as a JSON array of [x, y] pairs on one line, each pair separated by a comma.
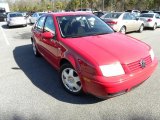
[[30, 88]]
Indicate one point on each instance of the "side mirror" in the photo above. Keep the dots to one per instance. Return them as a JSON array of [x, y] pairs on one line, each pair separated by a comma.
[[47, 35]]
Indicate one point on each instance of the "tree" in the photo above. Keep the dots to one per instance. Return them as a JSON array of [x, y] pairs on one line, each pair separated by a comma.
[[58, 5], [92, 2]]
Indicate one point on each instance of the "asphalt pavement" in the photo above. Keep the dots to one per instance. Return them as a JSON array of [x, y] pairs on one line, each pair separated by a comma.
[[30, 88]]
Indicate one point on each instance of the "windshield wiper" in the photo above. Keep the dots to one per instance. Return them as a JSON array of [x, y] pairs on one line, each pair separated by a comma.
[[85, 35], [73, 36], [99, 34]]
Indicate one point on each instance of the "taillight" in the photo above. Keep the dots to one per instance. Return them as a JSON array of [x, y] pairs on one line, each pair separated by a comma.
[[149, 20], [111, 22]]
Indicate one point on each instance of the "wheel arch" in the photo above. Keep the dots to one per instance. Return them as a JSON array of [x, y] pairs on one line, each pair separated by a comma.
[[124, 27], [68, 59]]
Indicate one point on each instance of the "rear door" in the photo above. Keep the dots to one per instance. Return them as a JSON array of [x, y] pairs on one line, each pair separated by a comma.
[[37, 33], [127, 21], [135, 23]]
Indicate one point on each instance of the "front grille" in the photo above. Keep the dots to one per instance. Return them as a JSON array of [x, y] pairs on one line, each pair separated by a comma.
[[135, 66]]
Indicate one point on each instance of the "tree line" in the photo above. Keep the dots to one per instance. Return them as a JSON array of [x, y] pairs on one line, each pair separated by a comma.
[[71, 5]]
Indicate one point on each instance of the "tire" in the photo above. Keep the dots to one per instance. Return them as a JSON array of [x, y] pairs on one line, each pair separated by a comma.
[[141, 28], [123, 30], [70, 79], [30, 21], [35, 51], [8, 26], [154, 27]]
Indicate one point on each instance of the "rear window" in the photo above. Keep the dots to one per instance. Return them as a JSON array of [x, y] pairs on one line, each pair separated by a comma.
[[16, 15], [113, 15], [147, 15]]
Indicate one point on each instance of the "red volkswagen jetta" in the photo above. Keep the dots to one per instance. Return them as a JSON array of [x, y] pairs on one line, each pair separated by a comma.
[[90, 56]]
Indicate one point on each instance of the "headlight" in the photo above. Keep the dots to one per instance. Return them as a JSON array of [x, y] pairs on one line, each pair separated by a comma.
[[112, 70], [151, 54]]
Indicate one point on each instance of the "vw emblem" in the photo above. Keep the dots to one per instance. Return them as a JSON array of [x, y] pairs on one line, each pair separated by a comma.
[[143, 63]]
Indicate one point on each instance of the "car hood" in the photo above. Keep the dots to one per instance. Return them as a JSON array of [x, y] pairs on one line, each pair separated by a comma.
[[109, 48]]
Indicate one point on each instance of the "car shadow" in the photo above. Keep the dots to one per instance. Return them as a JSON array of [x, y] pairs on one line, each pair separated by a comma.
[[45, 77]]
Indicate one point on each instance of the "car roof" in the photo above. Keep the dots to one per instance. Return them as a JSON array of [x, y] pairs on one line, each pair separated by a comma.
[[68, 13], [116, 12], [149, 13], [15, 13]]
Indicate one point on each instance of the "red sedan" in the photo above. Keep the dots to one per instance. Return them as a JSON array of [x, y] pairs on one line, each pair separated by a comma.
[[90, 56]]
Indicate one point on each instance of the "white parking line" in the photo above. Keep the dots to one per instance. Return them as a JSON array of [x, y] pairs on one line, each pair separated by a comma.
[[4, 35]]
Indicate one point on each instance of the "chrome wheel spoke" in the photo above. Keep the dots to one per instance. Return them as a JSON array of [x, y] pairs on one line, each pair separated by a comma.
[[77, 87], [71, 72], [76, 79], [65, 73]]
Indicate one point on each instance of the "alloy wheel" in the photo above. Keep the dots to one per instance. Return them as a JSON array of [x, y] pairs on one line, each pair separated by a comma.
[[71, 80], [141, 28], [155, 26], [35, 51]]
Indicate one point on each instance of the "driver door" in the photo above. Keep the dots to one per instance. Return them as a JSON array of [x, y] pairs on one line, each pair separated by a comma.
[[50, 45]]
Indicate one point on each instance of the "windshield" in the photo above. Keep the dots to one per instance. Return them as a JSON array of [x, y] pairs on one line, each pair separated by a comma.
[[147, 15], [82, 25], [113, 15], [16, 15]]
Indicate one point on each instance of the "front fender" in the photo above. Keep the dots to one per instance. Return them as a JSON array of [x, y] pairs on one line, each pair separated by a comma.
[[71, 59]]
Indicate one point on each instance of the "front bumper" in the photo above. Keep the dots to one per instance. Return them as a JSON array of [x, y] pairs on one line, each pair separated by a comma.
[[104, 87]]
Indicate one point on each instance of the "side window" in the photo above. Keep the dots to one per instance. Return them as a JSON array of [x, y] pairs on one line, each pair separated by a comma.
[[157, 16], [49, 25], [40, 23], [133, 17], [127, 16]]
